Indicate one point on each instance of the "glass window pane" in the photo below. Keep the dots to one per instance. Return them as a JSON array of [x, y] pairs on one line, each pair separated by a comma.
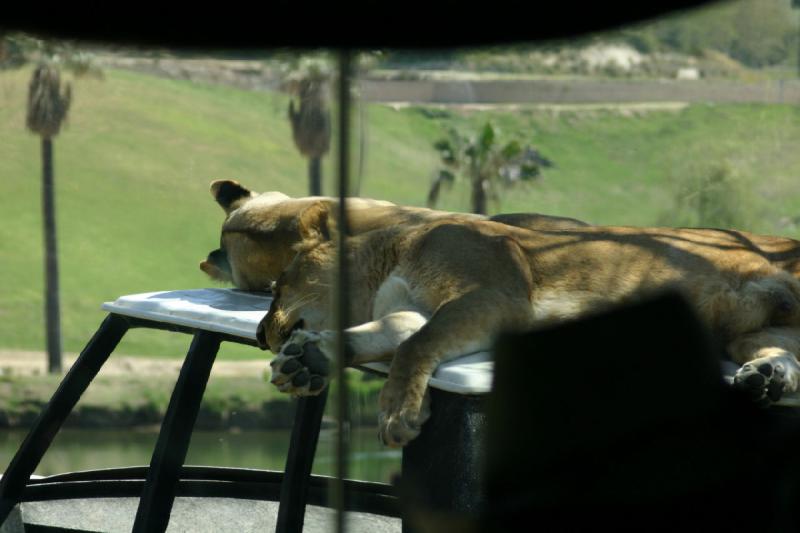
[[689, 119]]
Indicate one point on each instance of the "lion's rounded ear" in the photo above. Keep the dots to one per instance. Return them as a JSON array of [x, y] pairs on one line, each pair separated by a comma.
[[315, 222], [229, 194]]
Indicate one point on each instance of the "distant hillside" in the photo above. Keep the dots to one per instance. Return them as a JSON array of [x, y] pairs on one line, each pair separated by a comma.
[[134, 163], [132, 171], [729, 38]]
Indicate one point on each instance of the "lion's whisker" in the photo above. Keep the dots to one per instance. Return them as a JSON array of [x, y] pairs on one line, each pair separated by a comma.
[[305, 299]]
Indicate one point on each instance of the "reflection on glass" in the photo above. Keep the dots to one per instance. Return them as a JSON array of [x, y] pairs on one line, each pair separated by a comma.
[[86, 449], [688, 120]]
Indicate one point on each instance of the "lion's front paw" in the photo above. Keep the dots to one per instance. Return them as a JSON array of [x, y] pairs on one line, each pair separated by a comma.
[[301, 368], [763, 380], [400, 421]]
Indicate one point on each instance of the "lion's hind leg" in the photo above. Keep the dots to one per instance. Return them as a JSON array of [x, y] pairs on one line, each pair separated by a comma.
[[460, 327]]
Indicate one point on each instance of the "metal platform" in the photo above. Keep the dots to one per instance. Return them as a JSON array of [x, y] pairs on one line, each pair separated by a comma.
[[440, 468], [207, 499], [213, 316]]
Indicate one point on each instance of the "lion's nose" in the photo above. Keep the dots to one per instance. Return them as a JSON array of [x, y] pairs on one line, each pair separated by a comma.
[[261, 336]]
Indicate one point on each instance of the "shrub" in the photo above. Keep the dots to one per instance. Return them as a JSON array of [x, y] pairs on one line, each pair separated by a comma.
[[711, 196]]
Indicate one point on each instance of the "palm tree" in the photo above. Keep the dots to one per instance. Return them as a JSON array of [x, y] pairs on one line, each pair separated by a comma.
[[486, 165], [48, 104], [310, 119]]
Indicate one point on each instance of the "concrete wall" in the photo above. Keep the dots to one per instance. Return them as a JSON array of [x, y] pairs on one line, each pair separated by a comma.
[[580, 91]]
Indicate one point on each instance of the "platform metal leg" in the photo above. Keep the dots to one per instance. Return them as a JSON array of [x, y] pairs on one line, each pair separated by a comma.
[[44, 430], [299, 460], [441, 470], [163, 475]]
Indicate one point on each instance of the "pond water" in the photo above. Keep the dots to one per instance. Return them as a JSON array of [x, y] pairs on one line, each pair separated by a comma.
[[82, 449]]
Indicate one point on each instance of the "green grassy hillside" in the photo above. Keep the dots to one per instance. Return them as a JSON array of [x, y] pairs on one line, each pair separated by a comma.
[[134, 164]]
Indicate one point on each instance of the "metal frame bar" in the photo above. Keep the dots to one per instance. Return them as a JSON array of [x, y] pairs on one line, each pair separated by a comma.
[[163, 326], [299, 460], [341, 318], [44, 430], [163, 475], [210, 482]]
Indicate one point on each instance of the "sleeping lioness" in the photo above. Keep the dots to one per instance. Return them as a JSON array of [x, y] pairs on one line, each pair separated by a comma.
[[425, 293], [260, 230]]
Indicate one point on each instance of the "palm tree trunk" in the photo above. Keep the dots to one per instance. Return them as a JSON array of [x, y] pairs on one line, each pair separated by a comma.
[[315, 176], [478, 197], [52, 313]]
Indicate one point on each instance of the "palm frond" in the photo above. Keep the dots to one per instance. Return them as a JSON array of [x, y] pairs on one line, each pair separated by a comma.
[[48, 101]]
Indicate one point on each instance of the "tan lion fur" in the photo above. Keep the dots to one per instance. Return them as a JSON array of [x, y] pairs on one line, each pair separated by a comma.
[[260, 230], [430, 285], [455, 284]]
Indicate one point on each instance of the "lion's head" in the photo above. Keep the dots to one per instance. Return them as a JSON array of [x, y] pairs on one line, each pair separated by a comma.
[[302, 293], [259, 234]]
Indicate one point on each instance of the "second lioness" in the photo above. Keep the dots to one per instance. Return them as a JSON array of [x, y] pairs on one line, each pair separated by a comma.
[[423, 294]]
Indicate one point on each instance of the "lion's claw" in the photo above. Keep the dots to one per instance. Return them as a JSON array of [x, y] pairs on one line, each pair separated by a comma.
[[398, 425]]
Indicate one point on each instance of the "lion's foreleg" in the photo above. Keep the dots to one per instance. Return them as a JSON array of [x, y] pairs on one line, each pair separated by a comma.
[[769, 362], [378, 340], [303, 366]]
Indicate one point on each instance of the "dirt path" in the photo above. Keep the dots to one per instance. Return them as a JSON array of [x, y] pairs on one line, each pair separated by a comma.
[[30, 363]]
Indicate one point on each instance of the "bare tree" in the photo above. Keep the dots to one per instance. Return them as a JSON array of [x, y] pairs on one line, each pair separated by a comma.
[[48, 105]]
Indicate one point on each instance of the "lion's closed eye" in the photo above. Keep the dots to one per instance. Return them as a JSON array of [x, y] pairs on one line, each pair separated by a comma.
[[783, 311]]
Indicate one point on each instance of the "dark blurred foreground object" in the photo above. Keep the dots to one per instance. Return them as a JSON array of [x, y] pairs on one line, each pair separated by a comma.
[[622, 421], [414, 24]]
